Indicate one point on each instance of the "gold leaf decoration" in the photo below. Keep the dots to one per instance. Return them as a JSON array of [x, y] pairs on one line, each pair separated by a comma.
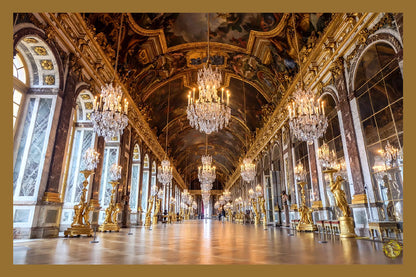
[[49, 79], [40, 50], [30, 40], [46, 64]]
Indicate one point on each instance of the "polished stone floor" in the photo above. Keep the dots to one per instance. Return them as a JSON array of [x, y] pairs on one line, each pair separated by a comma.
[[201, 242]]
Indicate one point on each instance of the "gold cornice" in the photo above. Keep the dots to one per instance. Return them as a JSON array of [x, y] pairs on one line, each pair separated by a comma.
[[81, 34]]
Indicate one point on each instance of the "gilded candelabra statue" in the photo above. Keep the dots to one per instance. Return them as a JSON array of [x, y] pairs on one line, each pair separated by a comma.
[[148, 220], [328, 161], [346, 222], [111, 212], [157, 210], [256, 213], [172, 215], [263, 210], [80, 224]]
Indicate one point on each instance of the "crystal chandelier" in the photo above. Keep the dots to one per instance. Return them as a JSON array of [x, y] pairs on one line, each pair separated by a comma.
[[300, 172], [91, 158], [164, 173], [109, 116], [391, 154], [248, 169], [208, 113], [115, 172], [227, 195], [259, 191], [327, 158], [307, 116], [206, 173]]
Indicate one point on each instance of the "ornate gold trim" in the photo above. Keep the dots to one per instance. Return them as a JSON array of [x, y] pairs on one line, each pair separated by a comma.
[[359, 199], [52, 197]]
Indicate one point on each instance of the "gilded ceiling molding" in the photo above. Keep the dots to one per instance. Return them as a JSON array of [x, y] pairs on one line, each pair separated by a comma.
[[71, 30], [338, 30]]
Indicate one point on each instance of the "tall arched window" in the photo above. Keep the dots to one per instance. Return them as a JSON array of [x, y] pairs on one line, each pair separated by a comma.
[[378, 86], [332, 137], [82, 137], [34, 69], [135, 174], [145, 185]]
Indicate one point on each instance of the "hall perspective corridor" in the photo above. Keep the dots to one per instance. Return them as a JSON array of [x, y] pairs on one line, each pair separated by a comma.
[[201, 242]]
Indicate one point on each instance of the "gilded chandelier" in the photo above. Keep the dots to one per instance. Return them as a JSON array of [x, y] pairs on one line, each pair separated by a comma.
[[109, 116], [209, 113], [327, 158]]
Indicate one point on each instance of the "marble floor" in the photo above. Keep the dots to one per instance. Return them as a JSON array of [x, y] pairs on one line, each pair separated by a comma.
[[201, 242]]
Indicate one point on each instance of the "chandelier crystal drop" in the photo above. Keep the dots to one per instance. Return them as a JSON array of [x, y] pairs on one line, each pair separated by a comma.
[[115, 172], [248, 170], [227, 195], [164, 173], [307, 116], [109, 116], [206, 173]]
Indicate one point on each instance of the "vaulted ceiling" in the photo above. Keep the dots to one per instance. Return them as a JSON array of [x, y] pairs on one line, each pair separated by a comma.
[[160, 54]]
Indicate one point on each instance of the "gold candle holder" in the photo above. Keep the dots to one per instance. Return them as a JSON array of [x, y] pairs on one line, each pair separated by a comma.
[[80, 224], [305, 222], [110, 221]]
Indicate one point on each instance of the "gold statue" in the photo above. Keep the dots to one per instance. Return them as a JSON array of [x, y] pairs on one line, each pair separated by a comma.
[[157, 210], [339, 195], [148, 220], [346, 221], [254, 205]]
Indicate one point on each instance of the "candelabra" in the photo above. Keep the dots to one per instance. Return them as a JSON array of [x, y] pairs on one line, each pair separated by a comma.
[[328, 161], [305, 213], [153, 194], [80, 224], [261, 201], [111, 212], [172, 215]]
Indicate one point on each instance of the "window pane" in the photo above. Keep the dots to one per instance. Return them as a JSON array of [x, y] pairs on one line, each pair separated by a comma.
[[385, 53], [394, 86], [15, 109], [385, 123], [23, 141], [17, 96], [335, 127], [378, 97], [36, 149], [370, 131], [370, 62]]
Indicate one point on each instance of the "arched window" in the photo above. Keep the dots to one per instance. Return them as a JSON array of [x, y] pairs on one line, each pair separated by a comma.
[[378, 86], [82, 137], [135, 174], [332, 137], [145, 185]]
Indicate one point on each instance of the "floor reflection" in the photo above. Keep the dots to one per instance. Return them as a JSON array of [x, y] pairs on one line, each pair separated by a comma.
[[202, 242]]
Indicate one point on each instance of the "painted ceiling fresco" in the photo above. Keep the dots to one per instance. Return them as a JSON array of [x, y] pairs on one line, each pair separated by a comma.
[[146, 70], [229, 28]]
